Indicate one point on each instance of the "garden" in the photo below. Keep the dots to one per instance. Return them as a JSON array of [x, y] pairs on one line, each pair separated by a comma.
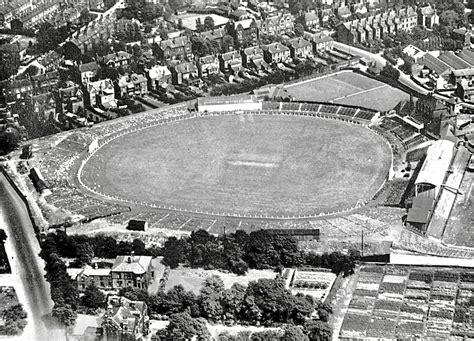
[[409, 302]]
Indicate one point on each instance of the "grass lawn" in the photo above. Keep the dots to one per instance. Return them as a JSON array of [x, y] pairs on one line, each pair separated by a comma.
[[269, 165], [192, 279], [349, 88]]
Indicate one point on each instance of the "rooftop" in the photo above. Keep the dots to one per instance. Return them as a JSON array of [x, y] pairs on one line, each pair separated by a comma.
[[135, 264]]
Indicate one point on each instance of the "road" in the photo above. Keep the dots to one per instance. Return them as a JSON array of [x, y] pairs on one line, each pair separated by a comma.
[[27, 267]]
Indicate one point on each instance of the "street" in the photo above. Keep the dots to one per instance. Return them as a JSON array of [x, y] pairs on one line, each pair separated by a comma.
[[27, 267]]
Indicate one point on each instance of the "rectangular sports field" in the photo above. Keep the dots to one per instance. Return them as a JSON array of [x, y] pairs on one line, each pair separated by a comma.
[[348, 88]]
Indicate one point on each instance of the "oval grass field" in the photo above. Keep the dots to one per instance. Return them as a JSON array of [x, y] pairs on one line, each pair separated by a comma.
[[244, 164]]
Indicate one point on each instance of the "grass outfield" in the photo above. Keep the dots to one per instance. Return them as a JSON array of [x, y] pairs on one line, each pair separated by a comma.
[[349, 88], [244, 164]]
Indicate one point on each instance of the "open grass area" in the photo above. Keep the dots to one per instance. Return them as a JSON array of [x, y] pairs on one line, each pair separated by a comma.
[[349, 88], [244, 164], [192, 279]]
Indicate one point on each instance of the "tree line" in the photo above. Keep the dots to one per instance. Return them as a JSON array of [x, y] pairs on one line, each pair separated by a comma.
[[264, 302], [239, 251]]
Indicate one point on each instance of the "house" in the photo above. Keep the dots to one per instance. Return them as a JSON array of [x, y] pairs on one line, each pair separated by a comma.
[[86, 328], [132, 271], [277, 24], [413, 53], [178, 48], [346, 32], [97, 277], [406, 19], [465, 91], [427, 16], [88, 72], [322, 42], [44, 105], [19, 89], [131, 85], [70, 98], [458, 75], [120, 58], [244, 32], [46, 82], [230, 61], [300, 48], [463, 35], [208, 65], [310, 21], [125, 319], [252, 58], [276, 53], [100, 93], [158, 76], [214, 35], [184, 73]]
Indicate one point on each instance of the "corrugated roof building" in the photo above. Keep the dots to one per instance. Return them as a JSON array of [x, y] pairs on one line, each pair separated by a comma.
[[435, 167]]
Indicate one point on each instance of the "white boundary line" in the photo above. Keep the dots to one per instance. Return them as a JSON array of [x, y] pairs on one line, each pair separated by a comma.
[[288, 112]]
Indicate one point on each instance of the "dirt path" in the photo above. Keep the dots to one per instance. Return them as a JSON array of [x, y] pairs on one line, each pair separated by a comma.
[[341, 302]]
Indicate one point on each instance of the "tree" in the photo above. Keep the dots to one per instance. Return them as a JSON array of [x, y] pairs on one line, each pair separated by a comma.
[[93, 298], [71, 51], [318, 331], [227, 43], [9, 64], [31, 70], [183, 327], [174, 251], [3, 236], [294, 333], [14, 319], [390, 72], [176, 4], [449, 19], [64, 314], [85, 17], [210, 298], [299, 29], [209, 23], [134, 294]]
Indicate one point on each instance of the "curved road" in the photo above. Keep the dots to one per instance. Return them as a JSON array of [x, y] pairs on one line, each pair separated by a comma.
[[27, 265]]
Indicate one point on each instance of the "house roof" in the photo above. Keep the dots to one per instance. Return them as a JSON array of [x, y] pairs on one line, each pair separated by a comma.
[[276, 48], [427, 10], [88, 67], [434, 64], [217, 33], [452, 60], [436, 164], [232, 55], [311, 16], [463, 72], [185, 68], [253, 50], [418, 215], [297, 43], [95, 272], [174, 43], [83, 322], [245, 24], [207, 59], [158, 72], [135, 264], [120, 55], [467, 55]]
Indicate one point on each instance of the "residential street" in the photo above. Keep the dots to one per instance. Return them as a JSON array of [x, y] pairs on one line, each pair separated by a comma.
[[27, 267]]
